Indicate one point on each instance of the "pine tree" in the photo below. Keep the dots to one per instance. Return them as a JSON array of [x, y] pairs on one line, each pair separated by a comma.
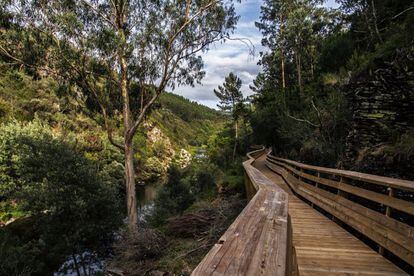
[[231, 101]]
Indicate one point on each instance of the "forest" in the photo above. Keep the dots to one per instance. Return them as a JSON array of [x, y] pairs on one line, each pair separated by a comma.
[[105, 170]]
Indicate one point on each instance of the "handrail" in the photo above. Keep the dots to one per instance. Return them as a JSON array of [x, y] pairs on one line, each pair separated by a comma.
[[244, 247], [358, 200], [369, 178]]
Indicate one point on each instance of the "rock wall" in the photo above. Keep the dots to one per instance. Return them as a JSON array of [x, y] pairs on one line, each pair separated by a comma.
[[382, 104]]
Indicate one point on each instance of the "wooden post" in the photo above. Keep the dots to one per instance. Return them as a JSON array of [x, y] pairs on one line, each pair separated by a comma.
[[342, 194], [248, 186], [319, 176], [388, 210], [289, 249]]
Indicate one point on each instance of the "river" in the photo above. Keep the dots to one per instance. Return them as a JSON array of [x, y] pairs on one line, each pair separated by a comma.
[[145, 197]]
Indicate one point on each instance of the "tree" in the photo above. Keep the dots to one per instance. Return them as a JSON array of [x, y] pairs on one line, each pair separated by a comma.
[[122, 55], [231, 101], [292, 32], [272, 24]]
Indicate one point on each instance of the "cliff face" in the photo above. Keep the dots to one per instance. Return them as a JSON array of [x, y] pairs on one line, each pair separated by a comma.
[[382, 104], [164, 152]]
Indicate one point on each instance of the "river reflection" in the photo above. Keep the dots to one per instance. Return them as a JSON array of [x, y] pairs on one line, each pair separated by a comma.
[[146, 195]]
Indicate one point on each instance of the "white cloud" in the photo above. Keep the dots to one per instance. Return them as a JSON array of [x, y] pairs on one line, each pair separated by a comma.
[[231, 56]]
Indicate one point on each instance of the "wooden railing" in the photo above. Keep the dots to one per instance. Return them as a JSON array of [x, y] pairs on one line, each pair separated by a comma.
[[257, 242], [381, 208]]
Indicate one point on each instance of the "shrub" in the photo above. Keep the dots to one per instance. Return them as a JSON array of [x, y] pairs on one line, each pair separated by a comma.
[[173, 198], [72, 208], [203, 178]]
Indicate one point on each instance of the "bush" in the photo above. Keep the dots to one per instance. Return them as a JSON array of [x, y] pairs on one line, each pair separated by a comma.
[[173, 198], [72, 208], [203, 178]]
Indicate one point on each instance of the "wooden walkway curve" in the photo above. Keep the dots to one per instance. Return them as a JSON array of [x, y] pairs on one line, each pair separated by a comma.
[[322, 247], [280, 233]]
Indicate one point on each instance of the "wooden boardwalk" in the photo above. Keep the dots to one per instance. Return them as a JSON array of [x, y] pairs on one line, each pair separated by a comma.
[[256, 242], [322, 247]]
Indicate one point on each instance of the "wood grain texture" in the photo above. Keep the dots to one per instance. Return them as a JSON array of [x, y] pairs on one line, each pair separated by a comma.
[[279, 234], [396, 203], [313, 233], [368, 178], [256, 242]]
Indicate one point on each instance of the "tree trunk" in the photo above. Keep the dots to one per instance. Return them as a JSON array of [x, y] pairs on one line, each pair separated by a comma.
[[85, 271], [374, 15], [130, 187], [129, 151], [299, 70], [75, 262], [236, 128], [312, 67], [282, 65], [282, 54], [371, 34]]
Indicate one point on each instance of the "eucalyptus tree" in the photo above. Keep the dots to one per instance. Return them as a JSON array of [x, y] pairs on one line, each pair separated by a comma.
[[292, 31], [273, 16], [122, 54], [232, 101]]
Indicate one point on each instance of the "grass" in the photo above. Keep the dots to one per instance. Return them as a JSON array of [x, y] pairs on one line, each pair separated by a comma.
[[9, 210], [182, 256]]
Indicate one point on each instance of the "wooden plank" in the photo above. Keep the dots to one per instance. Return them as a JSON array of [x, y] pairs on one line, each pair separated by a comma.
[[396, 203], [402, 246], [398, 226], [374, 179], [323, 247], [256, 242], [376, 234]]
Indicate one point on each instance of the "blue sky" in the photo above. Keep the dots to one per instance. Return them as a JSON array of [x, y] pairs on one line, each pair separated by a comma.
[[232, 56]]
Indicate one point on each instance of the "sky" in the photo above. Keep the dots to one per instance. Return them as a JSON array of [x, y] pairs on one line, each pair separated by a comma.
[[232, 56]]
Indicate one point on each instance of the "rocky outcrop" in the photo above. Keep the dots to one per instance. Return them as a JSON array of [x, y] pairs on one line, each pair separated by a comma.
[[163, 153], [382, 104]]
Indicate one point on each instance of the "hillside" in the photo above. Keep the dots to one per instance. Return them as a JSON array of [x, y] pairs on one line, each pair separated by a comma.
[[186, 122], [175, 127]]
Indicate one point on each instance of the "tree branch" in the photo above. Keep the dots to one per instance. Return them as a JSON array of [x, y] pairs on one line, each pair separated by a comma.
[[401, 13], [318, 113], [189, 21], [99, 13], [302, 120]]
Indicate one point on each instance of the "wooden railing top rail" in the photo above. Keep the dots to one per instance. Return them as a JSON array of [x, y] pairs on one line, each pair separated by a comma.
[[376, 218], [256, 242], [374, 179], [252, 155]]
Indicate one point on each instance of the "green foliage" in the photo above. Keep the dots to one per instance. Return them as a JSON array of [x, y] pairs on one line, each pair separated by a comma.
[[311, 126], [181, 132], [199, 181], [229, 94], [233, 181], [173, 198], [22, 97], [187, 110], [321, 50], [220, 146], [73, 209], [202, 177], [18, 257], [336, 51]]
